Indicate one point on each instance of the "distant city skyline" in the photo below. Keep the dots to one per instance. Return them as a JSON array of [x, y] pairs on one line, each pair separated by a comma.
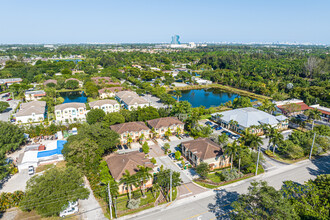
[[148, 21]]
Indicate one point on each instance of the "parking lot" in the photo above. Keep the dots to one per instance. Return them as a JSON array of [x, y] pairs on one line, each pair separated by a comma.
[[218, 130], [10, 110], [16, 182]]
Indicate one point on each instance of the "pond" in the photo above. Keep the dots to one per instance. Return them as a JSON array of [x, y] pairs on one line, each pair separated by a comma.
[[207, 97], [74, 97]]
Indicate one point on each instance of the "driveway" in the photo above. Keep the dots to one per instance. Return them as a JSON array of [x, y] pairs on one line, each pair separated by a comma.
[[90, 208], [174, 143], [6, 114], [16, 182], [169, 164]]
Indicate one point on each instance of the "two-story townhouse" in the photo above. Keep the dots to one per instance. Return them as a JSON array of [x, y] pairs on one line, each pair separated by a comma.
[[204, 150], [109, 92], [33, 95], [119, 163], [31, 112], [107, 105], [162, 125], [131, 100], [70, 112], [137, 131]]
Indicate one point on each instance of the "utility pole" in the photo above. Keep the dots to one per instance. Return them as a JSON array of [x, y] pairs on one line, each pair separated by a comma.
[[110, 201], [310, 154], [171, 172], [258, 161]]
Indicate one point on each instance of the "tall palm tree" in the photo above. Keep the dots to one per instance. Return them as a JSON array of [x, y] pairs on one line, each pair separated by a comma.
[[313, 114], [144, 174], [269, 133], [129, 140], [178, 94], [233, 124], [129, 180], [276, 138], [255, 141], [231, 150], [241, 150], [246, 137]]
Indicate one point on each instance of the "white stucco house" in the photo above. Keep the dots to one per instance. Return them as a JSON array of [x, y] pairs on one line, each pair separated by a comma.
[[107, 105], [131, 100], [31, 112], [70, 112], [34, 95]]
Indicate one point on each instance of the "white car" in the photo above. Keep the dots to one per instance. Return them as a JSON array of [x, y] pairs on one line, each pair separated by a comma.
[[71, 209], [31, 170]]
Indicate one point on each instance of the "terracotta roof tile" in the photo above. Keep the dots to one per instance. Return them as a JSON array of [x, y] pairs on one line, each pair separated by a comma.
[[203, 148]]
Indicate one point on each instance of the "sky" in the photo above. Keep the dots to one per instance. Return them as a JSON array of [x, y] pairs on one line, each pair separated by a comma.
[[155, 21]]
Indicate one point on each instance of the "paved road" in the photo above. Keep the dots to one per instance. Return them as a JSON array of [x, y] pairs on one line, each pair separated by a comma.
[[12, 106], [168, 163], [197, 207]]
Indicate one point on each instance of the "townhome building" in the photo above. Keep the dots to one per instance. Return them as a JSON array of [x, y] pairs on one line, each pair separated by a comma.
[[162, 125], [291, 107], [325, 112], [34, 95], [107, 105], [136, 131], [70, 112], [249, 118], [131, 100], [31, 112], [204, 150], [119, 163], [109, 92]]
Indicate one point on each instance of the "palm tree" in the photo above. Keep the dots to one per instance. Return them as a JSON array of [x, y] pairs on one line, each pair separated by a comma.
[[178, 130], [154, 132], [231, 150], [141, 138], [246, 137], [129, 140], [168, 133], [223, 139], [269, 133], [255, 141], [241, 150], [178, 94], [144, 174], [233, 125], [271, 108], [313, 114], [276, 139], [128, 180]]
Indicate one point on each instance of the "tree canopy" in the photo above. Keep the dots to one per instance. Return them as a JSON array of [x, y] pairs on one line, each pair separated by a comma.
[[51, 192]]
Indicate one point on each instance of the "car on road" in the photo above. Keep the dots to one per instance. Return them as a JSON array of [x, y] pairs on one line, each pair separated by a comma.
[[9, 99], [31, 170], [171, 155]]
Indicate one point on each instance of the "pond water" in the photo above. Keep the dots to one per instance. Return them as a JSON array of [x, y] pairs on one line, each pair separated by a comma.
[[207, 97], [74, 97]]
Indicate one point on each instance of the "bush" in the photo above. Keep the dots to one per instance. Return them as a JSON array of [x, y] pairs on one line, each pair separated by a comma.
[[203, 169], [177, 155], [133, 203], [228, 174], [9, 200], [153, 160]]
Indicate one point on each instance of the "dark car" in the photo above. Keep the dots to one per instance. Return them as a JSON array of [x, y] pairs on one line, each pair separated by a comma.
[[218, 128], [302, 117], [208, 123]]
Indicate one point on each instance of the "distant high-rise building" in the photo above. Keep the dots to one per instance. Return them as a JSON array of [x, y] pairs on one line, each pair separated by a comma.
[[175, 39]]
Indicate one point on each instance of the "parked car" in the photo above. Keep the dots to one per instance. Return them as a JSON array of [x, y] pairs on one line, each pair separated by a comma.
[[171, 155], [9, 99], [12, 120], [208, 123], [218, 128], [302, 117], [71, 209], [31, 170]]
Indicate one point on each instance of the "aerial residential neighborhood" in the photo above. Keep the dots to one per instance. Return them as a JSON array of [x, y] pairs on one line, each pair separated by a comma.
[[106, 113]]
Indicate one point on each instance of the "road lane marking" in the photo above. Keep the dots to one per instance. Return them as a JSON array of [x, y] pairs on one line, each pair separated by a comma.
[[187, 188], [197, 215]]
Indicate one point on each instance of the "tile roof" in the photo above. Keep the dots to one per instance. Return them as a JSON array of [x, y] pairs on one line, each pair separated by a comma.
[[75, 105], [301, 106], [102, 102], [110, 89], [36, 93], [50, 81], [164, 122], [131, 98], [247, 117], [135, 126], [322, 109], [104, 80], [203, 148], [118, 163], [36, 107]]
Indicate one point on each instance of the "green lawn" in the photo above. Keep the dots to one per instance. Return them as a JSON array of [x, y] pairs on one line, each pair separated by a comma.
[[214, 177]]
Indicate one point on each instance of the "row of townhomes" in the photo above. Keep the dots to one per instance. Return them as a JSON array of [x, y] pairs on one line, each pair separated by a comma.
[[139, 131], [31, 112], [249, 118], [131, 100]]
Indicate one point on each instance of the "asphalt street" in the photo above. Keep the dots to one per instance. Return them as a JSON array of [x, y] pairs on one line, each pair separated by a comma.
[[208, 205]]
